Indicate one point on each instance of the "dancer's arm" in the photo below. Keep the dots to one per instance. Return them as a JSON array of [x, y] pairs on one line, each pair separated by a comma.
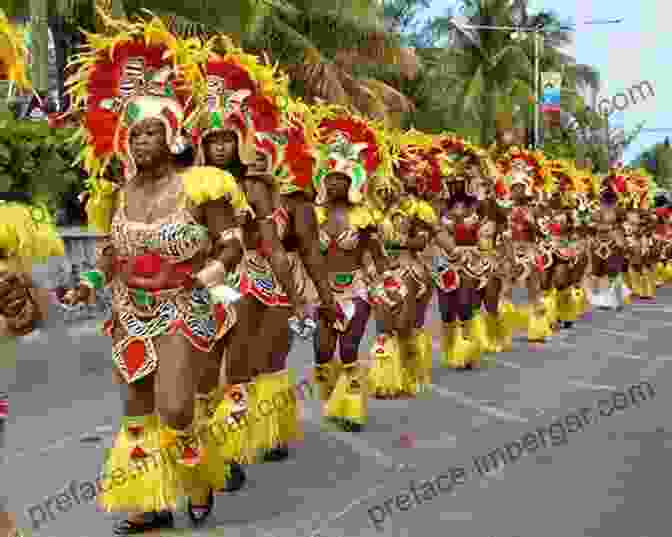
[[307, 232], [221, 220], [100, 210], [259, 196]]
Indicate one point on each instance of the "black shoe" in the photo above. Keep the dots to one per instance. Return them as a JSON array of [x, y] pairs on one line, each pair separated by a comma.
[[198, 518], [566, 325], [153, 521], [237, 479], [277, 454]]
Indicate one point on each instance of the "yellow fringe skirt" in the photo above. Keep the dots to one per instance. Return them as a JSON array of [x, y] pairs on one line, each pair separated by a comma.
[[141, 474]]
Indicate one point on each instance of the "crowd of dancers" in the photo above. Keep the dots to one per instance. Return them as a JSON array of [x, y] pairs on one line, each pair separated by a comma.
[[306, 220]]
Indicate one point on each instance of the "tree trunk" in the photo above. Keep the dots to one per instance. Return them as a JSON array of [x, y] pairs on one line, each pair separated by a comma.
[[40, 45]]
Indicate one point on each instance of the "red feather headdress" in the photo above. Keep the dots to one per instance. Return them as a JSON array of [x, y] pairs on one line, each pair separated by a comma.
[[125, 79]]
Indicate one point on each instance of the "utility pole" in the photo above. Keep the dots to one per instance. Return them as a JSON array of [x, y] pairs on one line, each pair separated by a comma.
[[536, 89], [606, 138]]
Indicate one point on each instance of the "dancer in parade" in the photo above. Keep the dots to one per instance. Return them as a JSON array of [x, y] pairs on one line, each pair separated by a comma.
[[465, 258], [159, 230], [349, 155], [557, 226], [608, 248], [527, 177], [402, 350]]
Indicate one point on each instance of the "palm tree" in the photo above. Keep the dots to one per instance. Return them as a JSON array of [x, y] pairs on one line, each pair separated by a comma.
[[490, 69], [316, 41]]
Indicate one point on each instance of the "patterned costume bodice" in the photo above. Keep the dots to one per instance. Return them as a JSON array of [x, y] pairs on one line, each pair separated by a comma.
[[348, 239], [176, 237]]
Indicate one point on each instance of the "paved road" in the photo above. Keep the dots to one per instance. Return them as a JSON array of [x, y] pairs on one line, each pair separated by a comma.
[[608, 479]]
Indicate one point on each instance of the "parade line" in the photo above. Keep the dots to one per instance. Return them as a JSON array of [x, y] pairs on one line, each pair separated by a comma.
[[555, 434], [76, 493]]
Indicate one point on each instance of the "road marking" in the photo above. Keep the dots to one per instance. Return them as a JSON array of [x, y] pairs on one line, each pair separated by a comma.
[[356, 443], [467, 401], [333, 517], [652, 322], [512, 365], [588, 385], [629, 335]]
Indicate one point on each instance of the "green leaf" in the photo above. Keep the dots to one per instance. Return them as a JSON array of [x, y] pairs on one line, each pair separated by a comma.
[[5, 153], [6, 182]]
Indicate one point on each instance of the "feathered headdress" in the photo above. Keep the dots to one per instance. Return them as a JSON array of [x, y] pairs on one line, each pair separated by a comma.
[[526, 167], [13, 54], [415, 161], [242, 96], [567, 181], [295, 170], [142, 72], [631, 189], [350, 145]]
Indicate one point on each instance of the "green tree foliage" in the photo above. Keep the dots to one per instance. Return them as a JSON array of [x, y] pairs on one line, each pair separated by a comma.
[[37, 159], [657, 160]]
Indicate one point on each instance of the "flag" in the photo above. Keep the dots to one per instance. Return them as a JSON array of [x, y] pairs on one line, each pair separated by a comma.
[[551, 82]]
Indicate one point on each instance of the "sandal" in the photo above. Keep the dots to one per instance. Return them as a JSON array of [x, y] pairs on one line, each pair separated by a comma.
[[153, 521], [199, 513], [237, 479], [277, 454]]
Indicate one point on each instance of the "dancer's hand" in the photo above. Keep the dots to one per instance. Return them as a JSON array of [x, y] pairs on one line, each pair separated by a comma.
[[301, 311], [77, 296], [330, 311], [13, 294]]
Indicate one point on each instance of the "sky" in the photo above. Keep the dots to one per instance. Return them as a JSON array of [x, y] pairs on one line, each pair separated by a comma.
[[636, 50]]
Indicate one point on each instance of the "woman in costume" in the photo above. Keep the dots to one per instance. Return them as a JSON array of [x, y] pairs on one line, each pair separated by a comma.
[[558, 227], [244, 121], [608, 247], [27, 237], [465, 259], [348, 153], [162, 227], [663, 240], [494, 333], [642, 190], [286, 158], [526, 175], [402, 350]]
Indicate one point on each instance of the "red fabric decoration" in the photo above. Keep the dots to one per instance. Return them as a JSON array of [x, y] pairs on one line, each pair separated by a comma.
[[134, 357], [466, 233], [148, 264], [449, 279], [138, 453]]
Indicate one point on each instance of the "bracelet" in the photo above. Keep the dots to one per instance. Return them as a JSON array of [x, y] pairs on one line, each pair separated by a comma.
[[94, 279]]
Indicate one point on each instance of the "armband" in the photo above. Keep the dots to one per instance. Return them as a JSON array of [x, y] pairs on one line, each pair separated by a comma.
[[94, 279]]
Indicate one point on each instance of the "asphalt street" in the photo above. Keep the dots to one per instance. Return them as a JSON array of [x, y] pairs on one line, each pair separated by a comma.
[[605, 477]]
